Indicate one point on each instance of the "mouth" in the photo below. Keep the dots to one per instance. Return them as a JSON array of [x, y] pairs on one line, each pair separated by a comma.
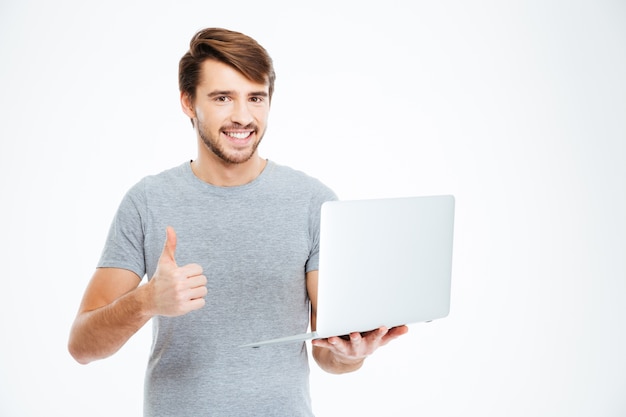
[[239, 137]]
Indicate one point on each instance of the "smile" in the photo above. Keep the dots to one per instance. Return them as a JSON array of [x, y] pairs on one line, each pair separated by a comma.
[[238, 135]]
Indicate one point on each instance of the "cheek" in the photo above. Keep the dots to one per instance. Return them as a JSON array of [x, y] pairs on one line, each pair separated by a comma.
[[261, 116], [209, 119]]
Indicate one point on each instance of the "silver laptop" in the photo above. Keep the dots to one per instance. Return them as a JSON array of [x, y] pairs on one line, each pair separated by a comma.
[[383, 262]]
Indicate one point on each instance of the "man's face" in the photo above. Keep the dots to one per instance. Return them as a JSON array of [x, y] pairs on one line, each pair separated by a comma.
[[230, 112]]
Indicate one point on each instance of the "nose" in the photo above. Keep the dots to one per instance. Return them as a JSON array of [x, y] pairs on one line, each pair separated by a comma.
[[241, 113]]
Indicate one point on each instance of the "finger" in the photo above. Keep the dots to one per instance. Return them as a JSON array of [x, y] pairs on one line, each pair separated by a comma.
[[196, 281], [196, 303], [375, 334], [169, 248], [355, 338], [339, 341], [381, 332], [190, 270], [198, 292], [397, 331], [328, 343], [393, 333]]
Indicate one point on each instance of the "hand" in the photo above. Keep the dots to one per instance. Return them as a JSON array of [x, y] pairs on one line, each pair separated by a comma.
[[176, 290], [358, 346]]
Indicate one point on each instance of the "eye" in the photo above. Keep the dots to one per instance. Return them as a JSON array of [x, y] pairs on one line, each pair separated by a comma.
[[222, 99], [257, 99]]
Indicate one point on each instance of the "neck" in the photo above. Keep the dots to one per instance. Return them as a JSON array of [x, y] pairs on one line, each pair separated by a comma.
[[223, 174]]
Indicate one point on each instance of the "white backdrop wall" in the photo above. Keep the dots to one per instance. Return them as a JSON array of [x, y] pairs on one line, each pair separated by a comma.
[[517, 108]]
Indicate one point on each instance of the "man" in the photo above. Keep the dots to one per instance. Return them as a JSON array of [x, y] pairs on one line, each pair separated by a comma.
[[229, 242]]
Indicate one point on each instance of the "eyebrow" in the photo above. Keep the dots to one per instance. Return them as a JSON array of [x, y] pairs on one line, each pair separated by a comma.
[[217, 93]]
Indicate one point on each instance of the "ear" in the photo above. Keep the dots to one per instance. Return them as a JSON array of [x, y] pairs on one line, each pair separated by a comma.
[[187, 105]]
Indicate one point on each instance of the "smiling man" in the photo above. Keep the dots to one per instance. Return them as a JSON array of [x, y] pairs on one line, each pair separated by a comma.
[[229, 245], [230, 123]]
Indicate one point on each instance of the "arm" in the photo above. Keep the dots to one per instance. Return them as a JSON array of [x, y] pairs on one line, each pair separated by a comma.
[[112, 310], [337, 355], [115, 307]]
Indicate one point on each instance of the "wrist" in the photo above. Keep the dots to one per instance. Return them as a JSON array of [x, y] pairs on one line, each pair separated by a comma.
[[145, 300]]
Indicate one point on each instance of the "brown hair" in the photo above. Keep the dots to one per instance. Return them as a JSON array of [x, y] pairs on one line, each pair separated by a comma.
[[231, 48]]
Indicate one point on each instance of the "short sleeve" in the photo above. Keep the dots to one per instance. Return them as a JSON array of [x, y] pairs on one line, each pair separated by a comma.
[[324, 194], [124, 246]]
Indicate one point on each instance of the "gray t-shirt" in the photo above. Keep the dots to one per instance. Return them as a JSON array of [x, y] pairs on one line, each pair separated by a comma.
[[255, 243]]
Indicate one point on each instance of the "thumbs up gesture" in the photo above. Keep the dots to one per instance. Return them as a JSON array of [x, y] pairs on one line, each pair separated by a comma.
[[176, 290]]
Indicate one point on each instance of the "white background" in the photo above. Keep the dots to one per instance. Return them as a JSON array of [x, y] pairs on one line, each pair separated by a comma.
[[516, 108]]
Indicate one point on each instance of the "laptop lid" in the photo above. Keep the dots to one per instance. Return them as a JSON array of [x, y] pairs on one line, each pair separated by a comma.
[[383, 262]]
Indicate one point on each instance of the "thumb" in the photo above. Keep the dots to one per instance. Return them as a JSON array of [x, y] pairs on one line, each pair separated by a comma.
[[169, 249]]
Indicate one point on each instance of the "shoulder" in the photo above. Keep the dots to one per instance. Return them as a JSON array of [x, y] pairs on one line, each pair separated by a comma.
[[298, 181], [155, 186], [171, 177]]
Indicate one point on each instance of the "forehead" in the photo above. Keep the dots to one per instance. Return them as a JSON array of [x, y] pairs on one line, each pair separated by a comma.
[[217, 75]]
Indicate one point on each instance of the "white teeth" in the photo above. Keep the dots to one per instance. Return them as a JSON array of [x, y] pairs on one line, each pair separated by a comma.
[[238, 135]]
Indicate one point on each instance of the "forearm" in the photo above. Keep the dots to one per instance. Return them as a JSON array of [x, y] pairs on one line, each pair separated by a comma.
[[333, 363], [99, 333]]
